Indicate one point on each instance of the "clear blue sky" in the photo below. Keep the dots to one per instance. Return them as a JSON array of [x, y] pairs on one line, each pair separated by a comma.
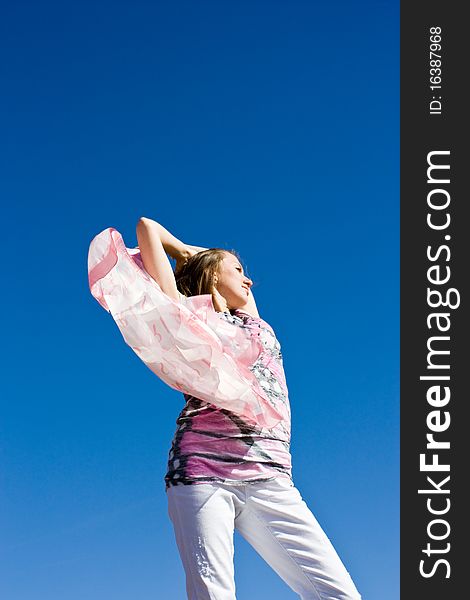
[[266, 126]]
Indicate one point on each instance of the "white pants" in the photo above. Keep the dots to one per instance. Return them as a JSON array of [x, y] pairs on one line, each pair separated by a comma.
[[274, 519]]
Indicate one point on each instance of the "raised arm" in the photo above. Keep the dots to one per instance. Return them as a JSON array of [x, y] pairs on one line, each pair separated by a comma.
[[155, 242]]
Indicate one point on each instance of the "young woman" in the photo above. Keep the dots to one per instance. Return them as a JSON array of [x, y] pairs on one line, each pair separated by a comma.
[[199, 330]]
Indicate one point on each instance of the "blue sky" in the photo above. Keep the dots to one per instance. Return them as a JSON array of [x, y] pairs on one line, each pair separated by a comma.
[[268, 127]]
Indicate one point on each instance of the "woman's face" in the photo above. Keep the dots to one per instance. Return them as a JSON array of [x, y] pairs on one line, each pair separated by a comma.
[[231, 283]]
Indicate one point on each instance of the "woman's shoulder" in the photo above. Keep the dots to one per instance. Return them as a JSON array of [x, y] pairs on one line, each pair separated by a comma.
[[247, 314], [249, 319]]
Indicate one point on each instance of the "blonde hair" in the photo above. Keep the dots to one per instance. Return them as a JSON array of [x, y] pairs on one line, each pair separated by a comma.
[[196, 276]]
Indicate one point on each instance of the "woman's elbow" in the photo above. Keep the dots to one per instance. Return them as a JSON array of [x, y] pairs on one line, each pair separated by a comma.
[[144, 223]]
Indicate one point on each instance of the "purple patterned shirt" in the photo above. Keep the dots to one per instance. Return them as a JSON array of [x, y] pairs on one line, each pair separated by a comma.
[[213, 444]]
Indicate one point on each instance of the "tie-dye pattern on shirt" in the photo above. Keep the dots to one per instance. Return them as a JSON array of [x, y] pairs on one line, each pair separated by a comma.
[[214, 444]]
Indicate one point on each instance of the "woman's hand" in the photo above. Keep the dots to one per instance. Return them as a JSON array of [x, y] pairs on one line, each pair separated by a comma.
[[186, 254], [195, 249]]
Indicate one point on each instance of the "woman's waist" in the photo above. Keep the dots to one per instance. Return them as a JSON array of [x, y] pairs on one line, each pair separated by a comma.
[[227, 427], [192, 442], [268, 437]]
